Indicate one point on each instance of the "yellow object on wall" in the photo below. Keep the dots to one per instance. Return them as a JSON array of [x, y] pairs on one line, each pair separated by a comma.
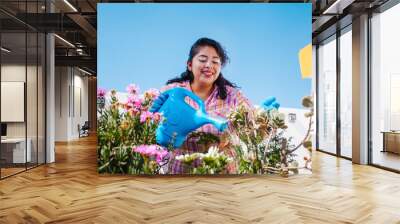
[[305, 59]]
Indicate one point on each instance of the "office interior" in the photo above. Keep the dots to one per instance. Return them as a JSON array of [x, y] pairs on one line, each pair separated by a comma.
[[356, 68], [48, 79]]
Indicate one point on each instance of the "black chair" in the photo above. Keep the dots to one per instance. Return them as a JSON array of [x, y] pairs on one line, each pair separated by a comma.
[[84, 130]]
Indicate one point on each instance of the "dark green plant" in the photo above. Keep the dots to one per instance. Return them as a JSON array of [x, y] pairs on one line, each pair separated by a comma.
[[204, 138]]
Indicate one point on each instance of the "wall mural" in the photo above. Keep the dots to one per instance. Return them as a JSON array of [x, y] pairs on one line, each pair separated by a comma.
[[204, 89]]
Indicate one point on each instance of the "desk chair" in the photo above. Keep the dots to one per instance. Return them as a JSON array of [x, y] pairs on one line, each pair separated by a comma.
[[84, 130]]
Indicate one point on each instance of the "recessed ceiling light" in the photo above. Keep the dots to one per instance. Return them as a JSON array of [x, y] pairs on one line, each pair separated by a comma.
[[337, 7], [71, 6], [5, 50], [84, 71], [65, 41]]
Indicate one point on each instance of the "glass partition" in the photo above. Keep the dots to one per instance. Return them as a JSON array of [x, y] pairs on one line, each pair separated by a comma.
[[13, 95], [22, 88], [385, 89], [346, 92], [327, 95], [41, 96], [31, 98]]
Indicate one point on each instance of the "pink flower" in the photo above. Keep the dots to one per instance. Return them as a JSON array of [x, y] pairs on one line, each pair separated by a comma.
[[157, 117], [156, 151], [139, 149], [137, 103], [161, 155], [145, 116], [133, 101], [101, 92], [132, 89], [132, 111], [152, 93]]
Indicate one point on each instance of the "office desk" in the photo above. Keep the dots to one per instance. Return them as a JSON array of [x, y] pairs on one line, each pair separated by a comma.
[[13, 150], [391, 141]]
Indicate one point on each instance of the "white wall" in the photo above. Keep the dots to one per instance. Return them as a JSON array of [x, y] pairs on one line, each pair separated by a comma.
[[80, 108], [61, 103], [297, 130], [12, 101], [71, 94], [12, 73]]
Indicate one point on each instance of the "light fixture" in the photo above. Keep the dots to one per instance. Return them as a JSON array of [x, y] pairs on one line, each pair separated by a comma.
[[337, 7], [84, 71], [5, 50], [70, 5], [79, 51], [65, 41]]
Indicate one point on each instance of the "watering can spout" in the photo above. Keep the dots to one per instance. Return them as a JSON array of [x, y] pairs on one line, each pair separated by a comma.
[[220, 124]]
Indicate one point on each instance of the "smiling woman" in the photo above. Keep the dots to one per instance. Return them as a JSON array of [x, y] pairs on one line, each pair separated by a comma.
[[203, 71], [204, 78], [205, 68]]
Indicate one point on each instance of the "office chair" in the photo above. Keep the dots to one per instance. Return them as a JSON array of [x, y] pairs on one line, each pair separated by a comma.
[[84, 130]]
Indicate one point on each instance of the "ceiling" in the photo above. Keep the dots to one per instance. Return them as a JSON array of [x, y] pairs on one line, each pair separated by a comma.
[[77, 25], [332, 15], [76, 22]]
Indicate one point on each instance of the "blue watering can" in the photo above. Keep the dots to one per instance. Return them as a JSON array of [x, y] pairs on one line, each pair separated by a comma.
[[180, 117], [270, 103]]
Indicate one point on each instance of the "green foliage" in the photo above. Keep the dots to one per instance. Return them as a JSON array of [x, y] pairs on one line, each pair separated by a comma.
[[257, 138], [119, 130], [275, 147], [204, 138]]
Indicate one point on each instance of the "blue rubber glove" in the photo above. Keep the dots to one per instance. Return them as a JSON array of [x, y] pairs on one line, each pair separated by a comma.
[[270, 103], [157, 103]]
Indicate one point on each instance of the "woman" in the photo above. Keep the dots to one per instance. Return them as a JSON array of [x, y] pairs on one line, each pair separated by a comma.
[[204, 78]]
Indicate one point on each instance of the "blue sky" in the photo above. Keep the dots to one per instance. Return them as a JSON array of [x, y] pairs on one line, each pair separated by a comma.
[[147, 44]]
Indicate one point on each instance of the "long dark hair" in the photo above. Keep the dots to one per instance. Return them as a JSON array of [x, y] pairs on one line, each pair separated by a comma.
[[221, 82]]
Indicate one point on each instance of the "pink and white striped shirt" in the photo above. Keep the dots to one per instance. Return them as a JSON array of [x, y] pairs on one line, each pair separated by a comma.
[[215, 107]]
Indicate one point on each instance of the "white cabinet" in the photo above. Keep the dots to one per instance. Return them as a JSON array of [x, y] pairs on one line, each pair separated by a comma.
[[17, 146]]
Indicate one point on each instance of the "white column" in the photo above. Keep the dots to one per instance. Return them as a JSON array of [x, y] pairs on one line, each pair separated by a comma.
[[50, 99], [314, 94], [50, 92], [360, 90]]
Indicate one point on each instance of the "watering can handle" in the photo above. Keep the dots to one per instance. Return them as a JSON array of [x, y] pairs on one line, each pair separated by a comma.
[[197, 99], [157, 104]]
